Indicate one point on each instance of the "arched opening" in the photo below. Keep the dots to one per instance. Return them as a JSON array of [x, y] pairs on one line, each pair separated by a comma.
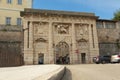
[[62, 53]]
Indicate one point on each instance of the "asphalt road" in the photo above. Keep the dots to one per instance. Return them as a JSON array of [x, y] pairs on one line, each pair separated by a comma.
[[92, 72]]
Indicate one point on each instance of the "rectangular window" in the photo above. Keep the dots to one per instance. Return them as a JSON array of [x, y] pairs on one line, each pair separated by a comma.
[[110, 25], [8, 20], [9, 1], [19, 21], [20, 2], [99, 25]]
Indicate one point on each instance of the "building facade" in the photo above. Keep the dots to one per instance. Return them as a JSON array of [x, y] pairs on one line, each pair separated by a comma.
[[10, 11], [51, 35]]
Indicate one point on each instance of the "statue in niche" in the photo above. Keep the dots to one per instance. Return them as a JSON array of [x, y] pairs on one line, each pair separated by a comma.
[[62, 29]]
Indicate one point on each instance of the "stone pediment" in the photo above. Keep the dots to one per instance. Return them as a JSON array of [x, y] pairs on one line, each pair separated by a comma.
[[82, 40], [40, 40]]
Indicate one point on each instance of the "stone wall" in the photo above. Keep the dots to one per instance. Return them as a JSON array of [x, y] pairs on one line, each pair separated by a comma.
[[11, 46], [108, 48], [108, 35], [109, 39]]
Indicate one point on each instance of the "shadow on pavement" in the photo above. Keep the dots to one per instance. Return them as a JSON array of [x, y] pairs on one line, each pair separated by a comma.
[[67, 75]]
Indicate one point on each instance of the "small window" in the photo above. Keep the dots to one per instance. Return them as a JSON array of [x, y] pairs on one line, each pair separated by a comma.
[[9, 1], [20, 2], [109, 25], [19, 21], [99, 25], [8, 20]]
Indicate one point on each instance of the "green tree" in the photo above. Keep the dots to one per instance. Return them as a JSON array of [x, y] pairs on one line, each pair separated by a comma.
[[117, 15]]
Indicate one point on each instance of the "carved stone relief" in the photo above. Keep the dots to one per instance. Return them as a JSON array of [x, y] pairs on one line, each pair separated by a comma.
[[82, 31], [62, 28], [40, 28], [40, 40], [82, 44], [41, 47], [36, 16], [36, 26], [28, 16], [44, 16]]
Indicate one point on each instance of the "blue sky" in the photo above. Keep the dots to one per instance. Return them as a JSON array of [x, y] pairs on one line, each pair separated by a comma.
[[102, 8]]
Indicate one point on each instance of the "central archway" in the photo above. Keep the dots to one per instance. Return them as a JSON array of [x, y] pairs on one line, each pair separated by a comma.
[[62, 53]]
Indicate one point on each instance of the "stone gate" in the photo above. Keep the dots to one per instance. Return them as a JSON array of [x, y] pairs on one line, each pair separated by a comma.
[[49, 34]]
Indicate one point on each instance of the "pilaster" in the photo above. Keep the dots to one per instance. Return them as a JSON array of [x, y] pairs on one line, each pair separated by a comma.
[[28, 43], [51, 53], [74, 55]]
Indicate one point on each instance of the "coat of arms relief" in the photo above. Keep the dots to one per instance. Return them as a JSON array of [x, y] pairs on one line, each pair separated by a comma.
[[40, 32], [82, 33], [40, 28]]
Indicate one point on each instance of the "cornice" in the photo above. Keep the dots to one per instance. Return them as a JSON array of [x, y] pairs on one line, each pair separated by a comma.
[[11, 9]]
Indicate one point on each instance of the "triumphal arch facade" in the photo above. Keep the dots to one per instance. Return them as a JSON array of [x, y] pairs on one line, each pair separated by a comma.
[[51, 36]]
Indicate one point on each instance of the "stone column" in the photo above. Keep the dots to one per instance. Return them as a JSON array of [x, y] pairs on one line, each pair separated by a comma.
[[25, 29], [51, 54], [31, 41], [28, 43], [74, 55], [31, 36]]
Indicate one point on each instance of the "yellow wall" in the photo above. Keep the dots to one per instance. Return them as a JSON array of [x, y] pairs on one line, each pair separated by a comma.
[[13, 14], [12, 10]]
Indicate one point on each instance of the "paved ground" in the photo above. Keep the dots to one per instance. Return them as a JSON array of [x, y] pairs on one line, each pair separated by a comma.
[[93, 72], [26, 72]]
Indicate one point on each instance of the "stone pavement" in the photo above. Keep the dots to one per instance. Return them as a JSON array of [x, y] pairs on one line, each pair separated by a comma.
[[32, 72], [92, 72]]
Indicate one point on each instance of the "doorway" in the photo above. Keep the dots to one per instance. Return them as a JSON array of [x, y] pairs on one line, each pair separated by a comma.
[[41, 58], [83, 58], [62, 53]]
